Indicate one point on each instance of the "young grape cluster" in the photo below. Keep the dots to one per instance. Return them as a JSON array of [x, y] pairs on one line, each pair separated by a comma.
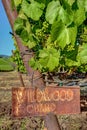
[[70, 48], [42, 32], [18, 61]]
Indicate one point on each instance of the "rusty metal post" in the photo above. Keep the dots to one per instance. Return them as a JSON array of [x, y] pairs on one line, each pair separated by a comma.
[[53, 122], [12, 15], [21, 79], [26, 57]]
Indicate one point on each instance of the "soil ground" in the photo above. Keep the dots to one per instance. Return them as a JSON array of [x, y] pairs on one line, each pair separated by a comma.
[[7, 122]]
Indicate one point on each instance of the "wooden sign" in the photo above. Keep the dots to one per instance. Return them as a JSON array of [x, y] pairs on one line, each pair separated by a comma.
[[38, 102]]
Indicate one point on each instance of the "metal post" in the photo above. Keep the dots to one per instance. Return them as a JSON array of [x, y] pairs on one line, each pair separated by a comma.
[[21, 79], [51, 122]]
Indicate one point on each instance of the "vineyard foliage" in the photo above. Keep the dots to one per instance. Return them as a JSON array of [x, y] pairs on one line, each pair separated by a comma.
[[17, 59], [6, 64], [55, 30]]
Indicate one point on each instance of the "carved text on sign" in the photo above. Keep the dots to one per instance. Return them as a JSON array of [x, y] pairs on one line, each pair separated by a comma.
[[36, 101], [56, 95], [41, 108]]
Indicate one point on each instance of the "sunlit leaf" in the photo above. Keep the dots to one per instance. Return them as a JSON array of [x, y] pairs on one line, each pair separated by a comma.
[[85, 5], [49, 58], [82, 54], [71, 63], [65, 15], [79, 14], [73, 34], [60, 33], [52, 11], [33, 10], [24, 35]]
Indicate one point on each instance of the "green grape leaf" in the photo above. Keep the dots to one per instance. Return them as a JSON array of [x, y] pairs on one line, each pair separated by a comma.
[[60, 33], [28, 26], [65, 15], [52, 11], [71, 63], [52, 62], [63, 39], [73, 34], [85, 5], [31, 44], [43, 53], [24, 35], [33, 63], [85, 68], [82, 54], [56, 29], [22, 15], [79, 14], [79, 17], [49, 58], [55, 10], [33, 10], [83, 57], [18, 25]]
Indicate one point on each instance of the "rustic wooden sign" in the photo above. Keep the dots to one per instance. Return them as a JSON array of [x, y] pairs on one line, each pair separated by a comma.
[[38, 102]]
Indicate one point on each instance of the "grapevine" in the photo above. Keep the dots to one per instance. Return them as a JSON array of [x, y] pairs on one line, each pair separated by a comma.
[[51, 29]]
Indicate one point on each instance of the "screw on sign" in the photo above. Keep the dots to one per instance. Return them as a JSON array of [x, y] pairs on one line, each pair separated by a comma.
[[38, 102]]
